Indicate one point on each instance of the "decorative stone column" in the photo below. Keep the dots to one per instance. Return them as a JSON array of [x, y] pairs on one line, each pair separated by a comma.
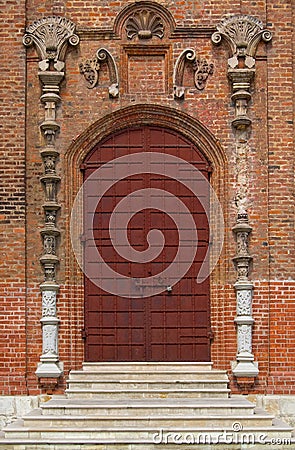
[[242, 33], [51, 37], [245, 367]]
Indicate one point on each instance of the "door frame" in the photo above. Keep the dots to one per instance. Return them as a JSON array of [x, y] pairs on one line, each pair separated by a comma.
[[209, 145]]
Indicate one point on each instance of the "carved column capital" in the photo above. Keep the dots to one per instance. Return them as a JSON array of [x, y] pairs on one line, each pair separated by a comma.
[[242, 33], [51, 36]]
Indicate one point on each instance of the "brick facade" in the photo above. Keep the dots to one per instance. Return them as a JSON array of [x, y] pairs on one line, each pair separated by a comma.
[[13, 200], [145, 72]]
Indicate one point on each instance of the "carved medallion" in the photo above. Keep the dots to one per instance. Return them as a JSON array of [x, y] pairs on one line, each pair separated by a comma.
[[90, 70], [202, 71]]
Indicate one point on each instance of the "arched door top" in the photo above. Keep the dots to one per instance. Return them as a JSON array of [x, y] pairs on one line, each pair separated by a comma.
[[143, 114]]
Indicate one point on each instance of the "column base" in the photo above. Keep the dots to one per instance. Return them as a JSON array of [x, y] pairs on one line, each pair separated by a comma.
[[49, 369], [245, 368]]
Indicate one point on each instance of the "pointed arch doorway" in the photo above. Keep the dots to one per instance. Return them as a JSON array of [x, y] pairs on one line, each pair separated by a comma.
[[171, 325]]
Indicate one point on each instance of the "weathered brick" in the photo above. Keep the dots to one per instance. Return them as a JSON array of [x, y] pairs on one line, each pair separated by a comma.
[[147, 78]]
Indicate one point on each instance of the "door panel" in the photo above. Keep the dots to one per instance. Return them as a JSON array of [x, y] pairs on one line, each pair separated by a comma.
[[167, 326]]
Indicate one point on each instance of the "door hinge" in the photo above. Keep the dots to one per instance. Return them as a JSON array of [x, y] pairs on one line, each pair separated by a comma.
[[83, 334]]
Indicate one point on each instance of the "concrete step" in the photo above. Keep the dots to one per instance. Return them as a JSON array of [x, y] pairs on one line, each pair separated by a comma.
[[143, 366], [147, 393], [146, 388], [92, 444]]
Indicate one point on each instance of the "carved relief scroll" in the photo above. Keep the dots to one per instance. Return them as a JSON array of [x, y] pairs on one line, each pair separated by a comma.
[[201, 69], [91, 68]]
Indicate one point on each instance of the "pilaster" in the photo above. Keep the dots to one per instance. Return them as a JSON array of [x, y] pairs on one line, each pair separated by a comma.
[[242, 33], [51, 37]]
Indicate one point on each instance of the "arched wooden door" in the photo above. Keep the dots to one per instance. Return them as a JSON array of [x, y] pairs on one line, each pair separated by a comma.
[[168, 326]]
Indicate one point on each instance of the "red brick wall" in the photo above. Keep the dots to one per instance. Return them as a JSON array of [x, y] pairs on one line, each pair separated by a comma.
[[271, 175], [12, 203]]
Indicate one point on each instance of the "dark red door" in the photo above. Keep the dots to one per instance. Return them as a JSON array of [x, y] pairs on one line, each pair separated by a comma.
[[171, 325]]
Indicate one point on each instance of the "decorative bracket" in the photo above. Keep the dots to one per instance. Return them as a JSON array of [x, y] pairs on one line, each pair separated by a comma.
[[91, 67], [202, 69], [51, 36], [242, 33]]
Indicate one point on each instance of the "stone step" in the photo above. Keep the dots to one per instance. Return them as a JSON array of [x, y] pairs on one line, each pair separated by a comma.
[[148, 434], [150, 407], [147, 388], [92, 444], [127, 406], [147, 393], [143, 366], [37, 420], [150, 375], [119, 385]]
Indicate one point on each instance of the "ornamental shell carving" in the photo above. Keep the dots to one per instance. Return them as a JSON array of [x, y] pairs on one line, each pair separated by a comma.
[[241, 29], [145, 24]]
